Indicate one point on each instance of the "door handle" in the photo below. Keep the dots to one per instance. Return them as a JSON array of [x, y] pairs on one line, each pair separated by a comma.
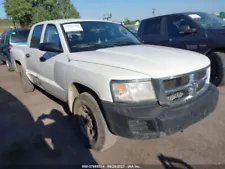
[[42, 59], [27, 55], [167, 40]]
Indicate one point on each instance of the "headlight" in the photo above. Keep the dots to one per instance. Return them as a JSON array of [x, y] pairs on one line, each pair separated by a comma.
[[132, 90]]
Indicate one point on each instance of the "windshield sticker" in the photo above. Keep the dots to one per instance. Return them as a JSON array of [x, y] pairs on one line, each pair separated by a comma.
[[72, 27], [195, 16]]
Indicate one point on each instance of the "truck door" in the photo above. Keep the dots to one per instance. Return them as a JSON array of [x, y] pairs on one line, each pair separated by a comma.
[[33, 53], [47, 61], [192, 41]]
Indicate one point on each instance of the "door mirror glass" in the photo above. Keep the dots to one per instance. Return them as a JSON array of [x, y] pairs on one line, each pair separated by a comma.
[[50, 47]]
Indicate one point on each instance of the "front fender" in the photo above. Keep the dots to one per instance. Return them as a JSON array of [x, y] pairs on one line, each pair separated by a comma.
[[94, 76]]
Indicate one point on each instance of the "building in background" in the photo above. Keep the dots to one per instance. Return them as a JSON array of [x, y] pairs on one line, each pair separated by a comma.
[[216, 14]]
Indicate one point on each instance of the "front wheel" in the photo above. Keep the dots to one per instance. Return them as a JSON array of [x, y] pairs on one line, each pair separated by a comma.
[[217, 68], [89, 119]]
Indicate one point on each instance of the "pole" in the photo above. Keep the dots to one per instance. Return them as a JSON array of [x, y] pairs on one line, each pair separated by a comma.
[[153, 12]]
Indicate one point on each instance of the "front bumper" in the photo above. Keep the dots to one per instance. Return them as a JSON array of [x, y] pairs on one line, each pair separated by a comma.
[[149, 120]]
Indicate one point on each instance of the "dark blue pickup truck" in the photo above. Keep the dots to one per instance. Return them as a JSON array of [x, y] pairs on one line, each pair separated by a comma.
[[197, 31]]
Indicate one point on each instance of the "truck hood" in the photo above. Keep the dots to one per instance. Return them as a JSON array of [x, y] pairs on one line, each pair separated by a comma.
[[155, 61]]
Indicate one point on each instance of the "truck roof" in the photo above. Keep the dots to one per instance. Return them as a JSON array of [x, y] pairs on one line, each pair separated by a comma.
[[62, 21], [179, 13]]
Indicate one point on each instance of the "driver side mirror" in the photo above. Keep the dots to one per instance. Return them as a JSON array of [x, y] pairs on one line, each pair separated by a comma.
[[50, 47], [186, 29]]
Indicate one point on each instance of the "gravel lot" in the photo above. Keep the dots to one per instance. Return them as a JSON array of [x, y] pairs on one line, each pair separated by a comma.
[[35, 129]]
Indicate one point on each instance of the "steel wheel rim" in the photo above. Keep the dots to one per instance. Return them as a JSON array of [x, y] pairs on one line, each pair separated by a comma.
[[87, 123]]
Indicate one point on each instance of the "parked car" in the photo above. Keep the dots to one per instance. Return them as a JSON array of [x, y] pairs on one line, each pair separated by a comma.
[[1, 55], [197, 31], [10, 38], [114, 85]]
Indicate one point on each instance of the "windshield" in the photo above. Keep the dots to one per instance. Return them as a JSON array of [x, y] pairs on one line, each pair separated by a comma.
[[19, 36], [132, 29], [207, 20], [93, 35]]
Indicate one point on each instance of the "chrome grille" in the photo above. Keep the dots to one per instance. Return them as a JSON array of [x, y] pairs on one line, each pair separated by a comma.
[[174, 90], [171, 83]]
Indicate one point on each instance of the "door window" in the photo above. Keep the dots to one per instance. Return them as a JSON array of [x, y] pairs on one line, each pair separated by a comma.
[[6, 42], [2, 39], [36, 36], [51, 35], [174, 24]]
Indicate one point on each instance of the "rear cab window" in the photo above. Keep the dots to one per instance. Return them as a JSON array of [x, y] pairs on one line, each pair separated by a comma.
[[19, 36], [36, 36]]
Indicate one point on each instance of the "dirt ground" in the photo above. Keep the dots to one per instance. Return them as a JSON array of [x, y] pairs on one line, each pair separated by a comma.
[[34, 129]]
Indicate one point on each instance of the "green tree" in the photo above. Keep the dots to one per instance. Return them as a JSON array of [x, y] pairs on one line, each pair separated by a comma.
[[19, 11], [126, 21], [28, 12], [222, 15], [53, 9]]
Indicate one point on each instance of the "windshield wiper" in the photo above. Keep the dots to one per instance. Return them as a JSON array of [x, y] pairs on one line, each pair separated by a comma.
[[122, 43], [101, 45], [95, 45]]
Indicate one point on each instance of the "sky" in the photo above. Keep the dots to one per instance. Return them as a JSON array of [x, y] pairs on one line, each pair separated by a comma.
[[138, 9]]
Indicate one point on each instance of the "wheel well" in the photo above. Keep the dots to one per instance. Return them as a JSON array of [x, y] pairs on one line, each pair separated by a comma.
[[215, 50], [75, 89], [17, 63]]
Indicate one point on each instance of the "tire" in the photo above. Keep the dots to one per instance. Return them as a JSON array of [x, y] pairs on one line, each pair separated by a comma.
[[26, 84], [9, 66], [1, 62], [217, 60], [103, 139]]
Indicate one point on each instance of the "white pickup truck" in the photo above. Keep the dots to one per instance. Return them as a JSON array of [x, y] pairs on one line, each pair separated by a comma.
[[113, 84]]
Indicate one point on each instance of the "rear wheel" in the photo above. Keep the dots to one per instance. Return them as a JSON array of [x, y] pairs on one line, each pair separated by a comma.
[[26, 84], [90, 121], [217, 68], [9, 65]]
